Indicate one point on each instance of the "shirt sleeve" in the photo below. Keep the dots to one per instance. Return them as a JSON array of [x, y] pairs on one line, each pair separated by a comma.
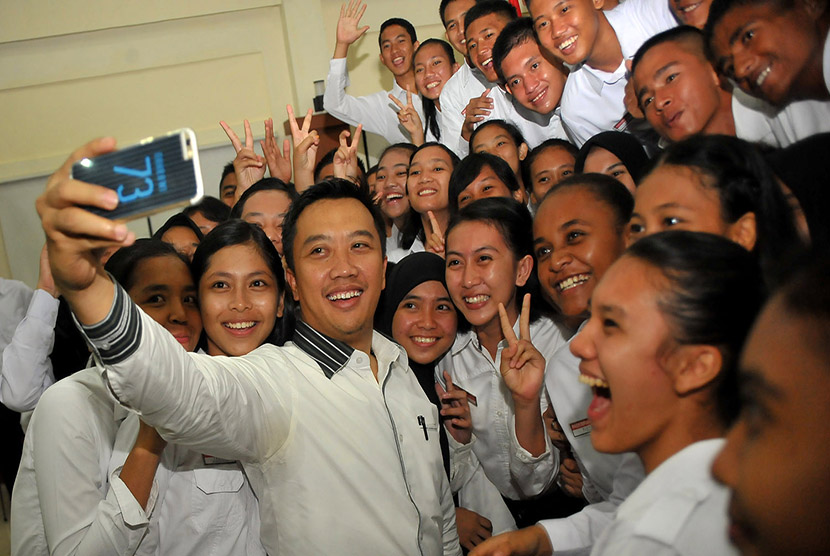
[[584, 528], [452, 119], [82, 515], [449, 535], [218, 405], [532, 475], [376, 112], [27, 369]]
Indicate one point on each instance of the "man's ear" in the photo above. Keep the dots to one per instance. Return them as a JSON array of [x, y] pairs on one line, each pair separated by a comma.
[[692, 367], [518, 195], [744, 231], [598, 4], [523, 270], [455, 67], [383, 283], [281, 305], [291, 280]]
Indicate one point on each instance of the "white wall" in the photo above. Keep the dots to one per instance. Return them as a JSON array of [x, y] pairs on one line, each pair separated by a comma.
[[78, 69]]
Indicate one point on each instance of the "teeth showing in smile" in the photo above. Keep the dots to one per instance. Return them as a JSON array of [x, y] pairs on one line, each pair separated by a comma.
[[592, 381], [487, 63], [394, 197], [568, 42], [425, 340], [763, 76], [432, 85], [481, 298], [423, 192], [572, 282], [689, 8], [239, 325], [344, 295], [398, 60], [538, 97]]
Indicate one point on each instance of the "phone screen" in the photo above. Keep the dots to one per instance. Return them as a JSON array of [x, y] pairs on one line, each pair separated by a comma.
[[149, 177]]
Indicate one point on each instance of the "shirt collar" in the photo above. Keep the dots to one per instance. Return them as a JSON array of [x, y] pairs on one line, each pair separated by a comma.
[[332, 355]]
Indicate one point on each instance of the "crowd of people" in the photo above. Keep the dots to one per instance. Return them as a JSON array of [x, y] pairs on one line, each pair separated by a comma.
[[579, 305]]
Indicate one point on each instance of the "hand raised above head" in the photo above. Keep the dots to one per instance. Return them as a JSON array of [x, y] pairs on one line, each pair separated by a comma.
[[347, 25], [279, 164], [248, 166], [409, 118]]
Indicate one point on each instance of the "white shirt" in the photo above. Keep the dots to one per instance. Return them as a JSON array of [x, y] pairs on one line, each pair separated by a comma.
[[376, 112], [612, 476], [493, 417], [801, 119], [26, 367], [752, 124], [341, 462], [466, 83], [395, 252], [204, 506], [65, 501], [535, 127], [593, 100], [679, 509]]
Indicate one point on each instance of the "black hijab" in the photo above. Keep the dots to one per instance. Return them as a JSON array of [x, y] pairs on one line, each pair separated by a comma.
[[624, 146]]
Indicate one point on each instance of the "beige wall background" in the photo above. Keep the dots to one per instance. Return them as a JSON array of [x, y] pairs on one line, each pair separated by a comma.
[[80, 69]]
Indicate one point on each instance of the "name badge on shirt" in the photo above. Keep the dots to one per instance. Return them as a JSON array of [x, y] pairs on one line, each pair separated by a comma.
[[581, 428], [213, 460]]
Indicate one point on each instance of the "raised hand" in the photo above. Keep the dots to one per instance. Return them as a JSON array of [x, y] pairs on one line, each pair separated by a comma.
[[279, 165], [347, 26], [409, 118], [248, 166], [522, 366], [345, 158], [455, 410], [75, 237], [477, 109], [435, 236], [473, 528], [632, 106], [306, 143]]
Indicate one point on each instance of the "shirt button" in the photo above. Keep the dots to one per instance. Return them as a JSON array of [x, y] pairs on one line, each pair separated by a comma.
[[400, 437], [498, 413]]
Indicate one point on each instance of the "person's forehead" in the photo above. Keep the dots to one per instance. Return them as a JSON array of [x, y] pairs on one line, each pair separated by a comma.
[[520, 55], [493, 21], [394, 32], [321, 218]]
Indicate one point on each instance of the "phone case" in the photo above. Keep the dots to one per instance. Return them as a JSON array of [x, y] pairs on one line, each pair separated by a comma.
[[157, 174]]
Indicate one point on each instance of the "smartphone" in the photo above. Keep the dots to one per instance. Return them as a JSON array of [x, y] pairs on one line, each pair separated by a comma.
[[157, 174]]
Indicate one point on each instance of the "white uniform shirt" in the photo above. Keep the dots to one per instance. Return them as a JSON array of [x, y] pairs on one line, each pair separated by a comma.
[[395, 252], [493, 418], [752, 124], [612, 476], [801, 119], [26, 367], [466, 83], [341, 462], [593, 100], [679, 509], [65, 501], [204, 505], [536, 128], [376, 112]]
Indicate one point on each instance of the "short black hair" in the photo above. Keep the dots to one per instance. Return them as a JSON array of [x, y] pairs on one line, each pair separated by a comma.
[[328, 158], [408, 27], [515, 33], [372, 170], [178, 220], [511, 130], [211, 208], [265, 184], [122, 263], [227, 169], [333, 188], [481, 9], [408, 147], [539, 149], [605, 189], [684, 33], [468, 170]]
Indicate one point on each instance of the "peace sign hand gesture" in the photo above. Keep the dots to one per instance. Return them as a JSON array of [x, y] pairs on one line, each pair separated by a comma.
[[305, 150], [248, 166], [345, 158], [409, 118], [522, 366], [279, 165]]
